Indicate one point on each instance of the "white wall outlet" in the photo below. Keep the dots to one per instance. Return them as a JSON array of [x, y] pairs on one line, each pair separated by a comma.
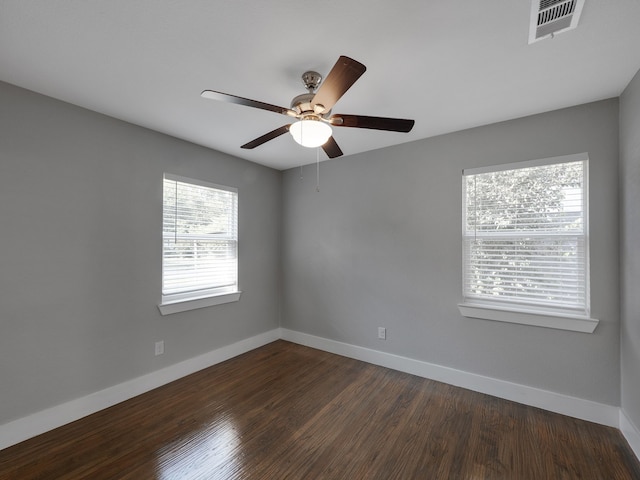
[[160, 347], [382, 333]]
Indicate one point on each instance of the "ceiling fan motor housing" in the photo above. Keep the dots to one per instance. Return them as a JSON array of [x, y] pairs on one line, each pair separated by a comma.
[[302, 104]]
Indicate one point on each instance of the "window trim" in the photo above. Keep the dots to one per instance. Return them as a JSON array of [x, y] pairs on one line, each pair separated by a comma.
[[181, 302], [555, 318], [177, 306], [522, 316]]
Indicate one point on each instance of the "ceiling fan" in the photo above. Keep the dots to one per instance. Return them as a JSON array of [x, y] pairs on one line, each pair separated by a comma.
[[312, 110]]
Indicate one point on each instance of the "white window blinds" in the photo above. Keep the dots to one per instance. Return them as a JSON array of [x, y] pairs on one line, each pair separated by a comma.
[[525, 235], [200, 239]]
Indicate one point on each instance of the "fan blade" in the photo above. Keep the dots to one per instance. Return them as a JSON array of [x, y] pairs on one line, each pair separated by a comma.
[[374, 123], [225, 97], [331, 148], [266, 137], [343, 74]]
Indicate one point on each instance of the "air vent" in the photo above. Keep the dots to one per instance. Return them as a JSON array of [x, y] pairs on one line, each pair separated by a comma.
[[550, 17]]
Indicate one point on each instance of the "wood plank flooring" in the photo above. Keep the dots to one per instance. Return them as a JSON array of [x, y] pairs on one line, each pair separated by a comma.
[[285, 411]]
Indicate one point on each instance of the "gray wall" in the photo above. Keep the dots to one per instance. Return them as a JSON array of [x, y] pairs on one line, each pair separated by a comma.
[[80, 263], [380, 245], [629, 250]]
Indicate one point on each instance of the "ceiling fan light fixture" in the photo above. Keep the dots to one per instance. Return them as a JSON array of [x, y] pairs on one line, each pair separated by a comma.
[[310, 133]]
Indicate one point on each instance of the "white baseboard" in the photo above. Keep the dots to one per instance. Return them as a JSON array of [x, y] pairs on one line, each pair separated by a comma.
[[554, 402], [630, 432], [54, 417]]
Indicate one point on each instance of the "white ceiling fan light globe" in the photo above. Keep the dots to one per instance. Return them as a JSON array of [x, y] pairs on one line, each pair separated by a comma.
[[310, 133]]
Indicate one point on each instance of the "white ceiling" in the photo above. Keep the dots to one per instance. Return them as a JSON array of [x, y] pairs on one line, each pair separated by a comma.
[[448, 64]]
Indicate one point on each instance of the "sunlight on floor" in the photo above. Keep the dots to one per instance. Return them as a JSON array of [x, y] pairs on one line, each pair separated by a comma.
[[210, 453]]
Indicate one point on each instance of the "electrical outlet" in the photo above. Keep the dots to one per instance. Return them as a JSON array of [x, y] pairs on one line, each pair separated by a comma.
[[160, 347], [382, 333]]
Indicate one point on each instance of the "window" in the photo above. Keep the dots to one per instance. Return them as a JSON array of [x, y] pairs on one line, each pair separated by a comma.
[[526, 243], [199, 244]]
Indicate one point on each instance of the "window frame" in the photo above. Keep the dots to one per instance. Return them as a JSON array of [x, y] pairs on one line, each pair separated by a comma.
[[190, 300], [537, 315]]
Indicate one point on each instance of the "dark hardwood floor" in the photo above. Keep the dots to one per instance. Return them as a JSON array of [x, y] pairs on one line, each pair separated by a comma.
[[285, 411]]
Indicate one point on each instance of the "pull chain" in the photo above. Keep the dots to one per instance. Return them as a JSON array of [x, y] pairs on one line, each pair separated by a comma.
[[318, 169]]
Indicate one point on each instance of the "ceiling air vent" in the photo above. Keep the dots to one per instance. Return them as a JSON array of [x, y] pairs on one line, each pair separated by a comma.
[[549, 17]]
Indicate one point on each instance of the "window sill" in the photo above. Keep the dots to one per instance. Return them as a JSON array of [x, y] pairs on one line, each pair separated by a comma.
[[168, 308], [574, 323]]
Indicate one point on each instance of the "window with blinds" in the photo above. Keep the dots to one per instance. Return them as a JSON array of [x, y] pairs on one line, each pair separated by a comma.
[[525, 236], [199, 239]]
